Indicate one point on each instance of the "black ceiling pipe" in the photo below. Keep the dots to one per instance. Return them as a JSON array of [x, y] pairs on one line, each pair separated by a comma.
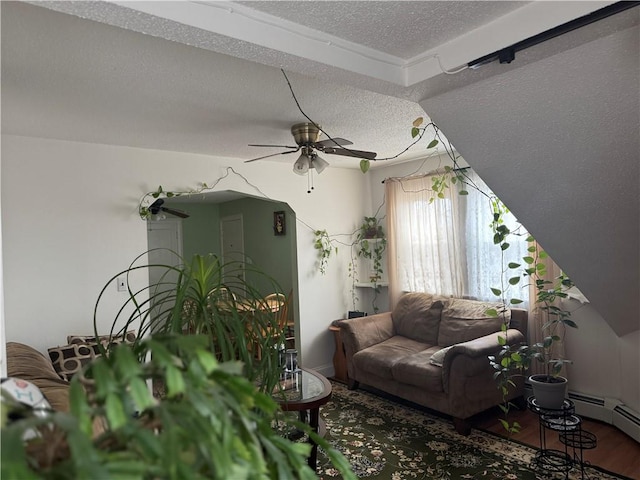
[[508, 54]]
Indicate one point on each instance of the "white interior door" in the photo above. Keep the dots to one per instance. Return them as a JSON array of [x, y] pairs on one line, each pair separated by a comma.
[[165, 235], [232, 241]]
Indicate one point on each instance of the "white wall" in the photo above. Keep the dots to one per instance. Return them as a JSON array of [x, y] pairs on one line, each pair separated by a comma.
[[604, 365], [69, 222]]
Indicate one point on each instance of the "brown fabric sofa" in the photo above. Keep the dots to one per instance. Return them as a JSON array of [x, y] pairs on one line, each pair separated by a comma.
[[28, 364], [394, 352]]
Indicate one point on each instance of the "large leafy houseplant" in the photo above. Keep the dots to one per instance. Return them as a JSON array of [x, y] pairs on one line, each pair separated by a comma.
[[209, 297], [214, 417], [515, 361]]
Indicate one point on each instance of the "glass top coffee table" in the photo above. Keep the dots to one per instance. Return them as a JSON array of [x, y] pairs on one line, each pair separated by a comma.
[[305, 391]]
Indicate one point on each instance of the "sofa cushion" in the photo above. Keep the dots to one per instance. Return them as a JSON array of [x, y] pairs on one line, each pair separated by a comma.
[[463, 320], [27, 363], [379, 359], [416, 370], [417, 316]]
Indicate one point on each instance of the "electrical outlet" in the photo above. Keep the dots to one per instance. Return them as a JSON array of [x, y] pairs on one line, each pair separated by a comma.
[[122, 284]]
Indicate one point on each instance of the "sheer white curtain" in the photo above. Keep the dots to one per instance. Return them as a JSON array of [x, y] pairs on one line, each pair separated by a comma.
[[445, 246], [487, 264], [424, 240]]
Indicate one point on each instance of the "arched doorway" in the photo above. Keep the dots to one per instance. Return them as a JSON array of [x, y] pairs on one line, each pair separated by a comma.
[[264, 244]]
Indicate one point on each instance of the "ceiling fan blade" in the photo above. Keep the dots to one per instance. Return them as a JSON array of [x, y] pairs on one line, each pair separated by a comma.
[[331, 142], [272, 155], [177, 213], [279, 146], [351, 153]]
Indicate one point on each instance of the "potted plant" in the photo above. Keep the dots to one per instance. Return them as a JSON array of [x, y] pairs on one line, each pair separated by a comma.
[[549, 387], [214, 417], [370, 228], [371, 243], [205, 296]]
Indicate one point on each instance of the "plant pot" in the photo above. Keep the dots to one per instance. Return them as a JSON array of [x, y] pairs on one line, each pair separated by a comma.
[[549, 391], [371, 232]]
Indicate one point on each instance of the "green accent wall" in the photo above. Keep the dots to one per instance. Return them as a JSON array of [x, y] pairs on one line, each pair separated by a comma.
[[201, 231], [273, 254]]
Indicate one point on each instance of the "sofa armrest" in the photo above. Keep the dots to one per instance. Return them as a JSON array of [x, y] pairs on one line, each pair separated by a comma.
[[476, 353], [362, 332]]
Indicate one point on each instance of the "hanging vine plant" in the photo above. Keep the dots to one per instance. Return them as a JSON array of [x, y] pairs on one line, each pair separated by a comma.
[[322, 243], [368, 242], [148, 198], [372, 243]]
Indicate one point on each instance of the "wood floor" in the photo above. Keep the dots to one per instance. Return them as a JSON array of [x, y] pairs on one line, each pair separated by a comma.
[[615, 451]]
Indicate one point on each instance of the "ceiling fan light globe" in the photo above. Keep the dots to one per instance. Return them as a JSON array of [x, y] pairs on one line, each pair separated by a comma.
[[319, 163], [302, 165]]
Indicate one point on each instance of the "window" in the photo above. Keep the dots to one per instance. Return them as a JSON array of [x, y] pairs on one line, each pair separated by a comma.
[[445, 245]]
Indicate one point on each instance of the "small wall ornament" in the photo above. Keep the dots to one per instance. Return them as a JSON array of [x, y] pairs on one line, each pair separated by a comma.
[[279, 223]]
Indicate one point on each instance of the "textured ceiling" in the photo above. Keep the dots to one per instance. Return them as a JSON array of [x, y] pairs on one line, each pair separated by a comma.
[[74, 79], [205, 77], [400, 28]]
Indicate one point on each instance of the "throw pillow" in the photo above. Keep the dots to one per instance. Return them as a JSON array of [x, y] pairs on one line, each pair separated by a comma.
[[128, 337], [437, 358], [68, 360]]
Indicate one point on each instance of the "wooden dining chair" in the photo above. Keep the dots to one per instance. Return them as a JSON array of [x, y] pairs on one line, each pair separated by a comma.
[[282, 315], [279, 304]]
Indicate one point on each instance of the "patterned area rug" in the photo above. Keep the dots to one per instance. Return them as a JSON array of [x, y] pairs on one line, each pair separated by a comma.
[[386, 440]]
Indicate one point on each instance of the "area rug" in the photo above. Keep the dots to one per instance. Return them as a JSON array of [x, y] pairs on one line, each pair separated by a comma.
[[383, 439]]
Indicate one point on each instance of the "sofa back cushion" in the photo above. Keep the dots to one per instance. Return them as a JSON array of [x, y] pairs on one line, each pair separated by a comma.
[[463, 320], [417, 316], [27, 363]]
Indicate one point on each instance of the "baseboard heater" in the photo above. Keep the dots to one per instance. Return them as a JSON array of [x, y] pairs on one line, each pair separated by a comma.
[[627, 420], [608, 410]]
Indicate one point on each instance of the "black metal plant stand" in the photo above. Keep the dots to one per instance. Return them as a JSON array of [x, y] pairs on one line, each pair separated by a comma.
[[575, 440]]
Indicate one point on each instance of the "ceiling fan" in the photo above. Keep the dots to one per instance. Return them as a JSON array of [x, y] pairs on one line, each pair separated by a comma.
[[306, 137], [156, 207]]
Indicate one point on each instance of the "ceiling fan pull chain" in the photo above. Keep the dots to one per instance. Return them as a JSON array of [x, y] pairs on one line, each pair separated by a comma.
[[310, 180]]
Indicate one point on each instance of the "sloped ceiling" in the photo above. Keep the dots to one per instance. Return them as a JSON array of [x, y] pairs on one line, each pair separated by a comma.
[[555, 133], [558, 141]]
